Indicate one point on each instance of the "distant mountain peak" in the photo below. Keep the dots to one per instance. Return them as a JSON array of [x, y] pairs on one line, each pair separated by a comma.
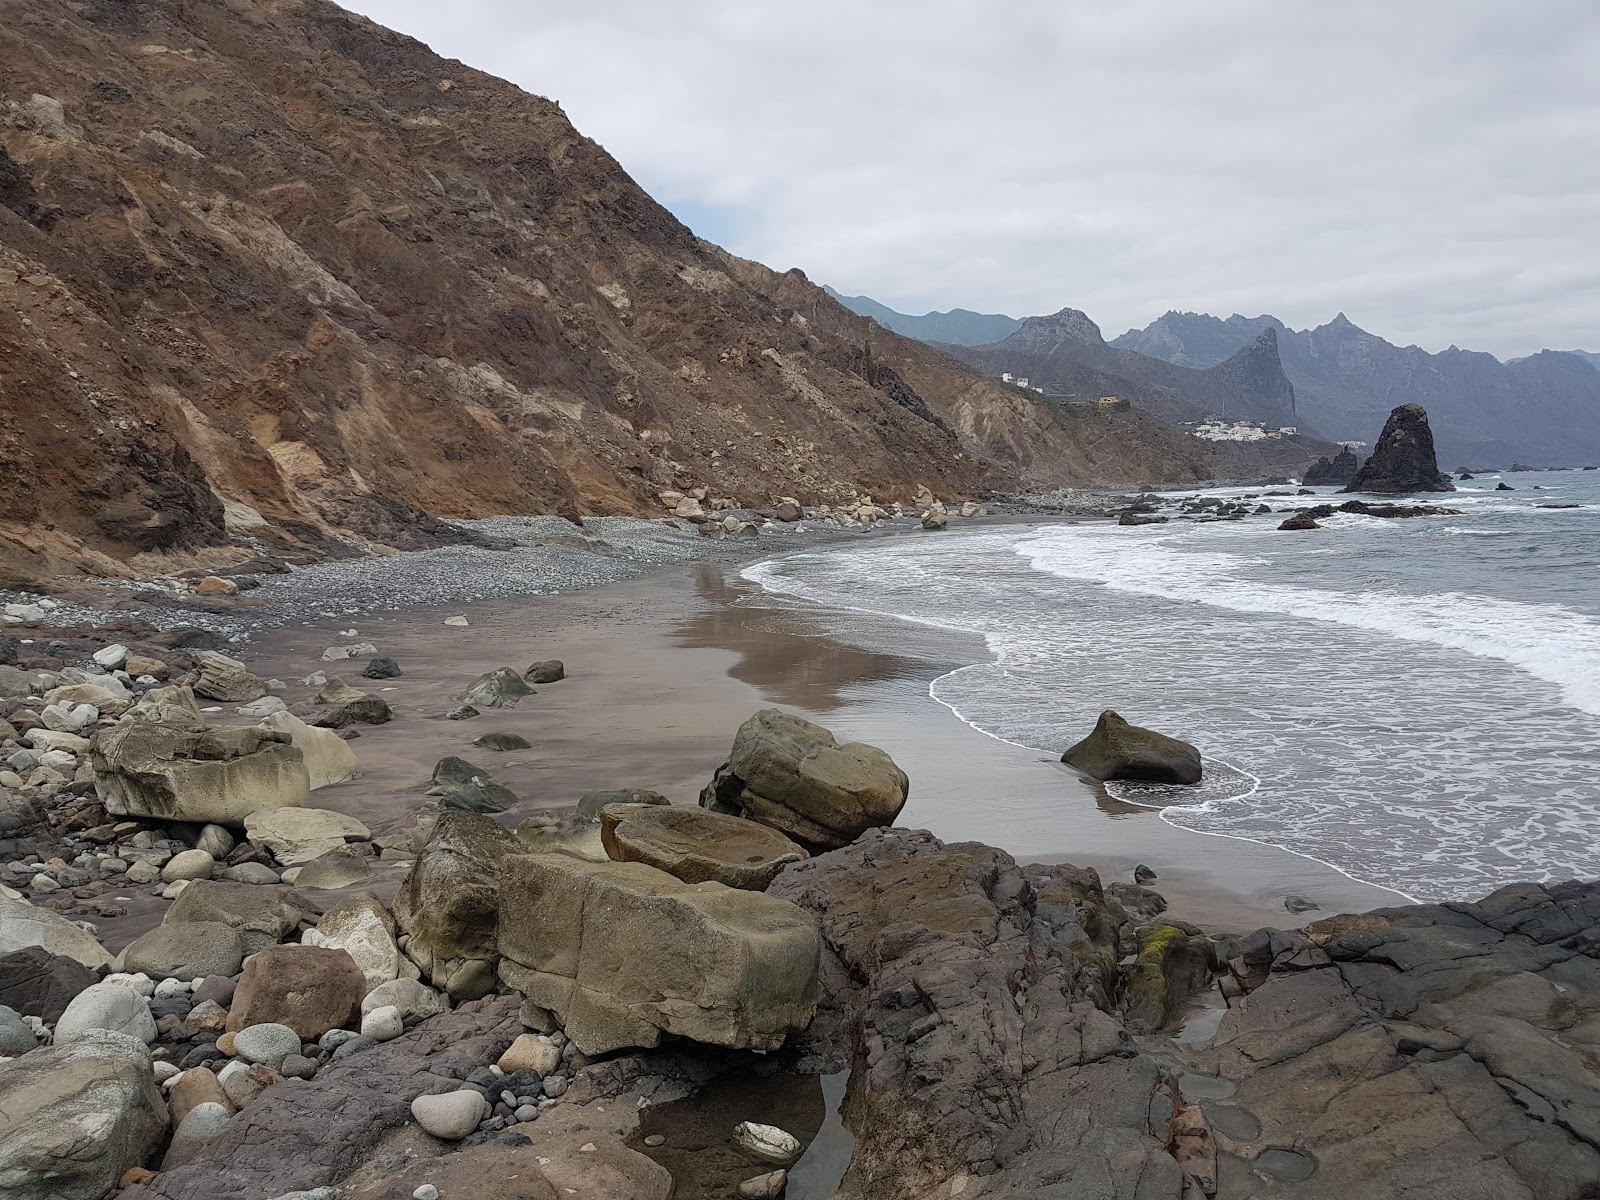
[[1067, 325]]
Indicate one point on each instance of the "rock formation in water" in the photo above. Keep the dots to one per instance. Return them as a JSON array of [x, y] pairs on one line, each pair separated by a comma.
[[1332, 472], [1403, 460], [1117, 750]]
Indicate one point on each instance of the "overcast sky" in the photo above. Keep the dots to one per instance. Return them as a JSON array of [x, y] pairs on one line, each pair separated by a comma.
[[1429, 167]]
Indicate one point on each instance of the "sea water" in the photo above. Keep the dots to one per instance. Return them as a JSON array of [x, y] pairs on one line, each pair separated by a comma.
[[1413, 701]]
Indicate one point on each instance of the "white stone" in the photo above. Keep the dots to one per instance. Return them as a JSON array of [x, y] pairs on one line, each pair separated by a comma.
[[457, 622], [215, 841], [111, 657], [416, 1001], [107, 1006], [138, 981], [328, 757], [164, 1071], [175, 889], [360, 927], [203, 1122], [316, 679], [426, 1192], [190, 864], [267, 1043], [382, 1024], [263, 707], [298, 835], [766, 1143], [52, 739], [451, 1116]]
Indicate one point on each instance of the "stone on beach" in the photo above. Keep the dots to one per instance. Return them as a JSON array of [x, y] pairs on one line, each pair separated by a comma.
[[766, 1143], [695, 845], [452, 1115], [590, 804], [363, 928], [351, 706], [186, 950], [208, 775], [37, 983], [577, 836], [381, 668], [793, 775], [203, 1122], [328, 757], [1403, 461], [167, 706], [298, 835], [1118, 750], [22, 926], [450, 771], [478, 795], [262, 916], [549, 671], [311, 989], [107, 1006], [415, 1000], [226, 679], [449, 905], [77, 1116], [500, 688], [188, 864], [530, 1052], [336, 868], [621, 953], [503, 741]]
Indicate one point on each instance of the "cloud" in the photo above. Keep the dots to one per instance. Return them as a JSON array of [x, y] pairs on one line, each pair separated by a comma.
[[1426, 167]]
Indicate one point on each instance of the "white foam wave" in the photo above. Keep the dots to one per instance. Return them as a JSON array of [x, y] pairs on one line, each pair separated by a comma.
[[1547, 641]]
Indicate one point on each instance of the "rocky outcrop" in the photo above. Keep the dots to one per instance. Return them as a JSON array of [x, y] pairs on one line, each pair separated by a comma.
[[694, 845], [218, 775], [790, 774], [1333, 472], [1403, 460], [973, 997], [1445, 1050], [1118, 750], [77, 1116], [449, 906], [618, 954], [315, 1133]]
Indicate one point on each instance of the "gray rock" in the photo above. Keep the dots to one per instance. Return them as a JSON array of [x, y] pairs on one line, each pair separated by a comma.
[[298, 835], [503, 741], [335, 869], [416, 1001], [450, 771], [263, 917], [107, 1006], [382, 668], [77, 1115], [590, 803], [257, 874], [188, 864], [22, 925], [202, 1123], [215, 841], [207, 775], [452, 1115], [478, 796], [186, 950], [500, 688], [16, 1037], [226, 679], [461, 712], [382, 1023], [267, 1043], [1118, 750], [549, 671]]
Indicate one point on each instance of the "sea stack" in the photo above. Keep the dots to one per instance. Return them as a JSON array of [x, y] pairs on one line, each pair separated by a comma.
[[1326, 472], [1403, 461]]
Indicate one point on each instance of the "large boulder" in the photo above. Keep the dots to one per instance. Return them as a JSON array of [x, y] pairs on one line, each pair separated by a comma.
[[186, 950], [500, 688], [695, 845], [112, 1006], [328, 757], [263, 916], [351, 706], [77, 1116], [362, 928], [449, 905], [226, 679], [1403, 461], [1332, 472], [621, 953], [792, 775], [298, 835], [311, 989], [144, 769], [167, 706], [23, 926], [1118, 750], [36, 983]]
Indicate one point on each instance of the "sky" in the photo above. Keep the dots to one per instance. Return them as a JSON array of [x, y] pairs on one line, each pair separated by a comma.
[[1429, 168]]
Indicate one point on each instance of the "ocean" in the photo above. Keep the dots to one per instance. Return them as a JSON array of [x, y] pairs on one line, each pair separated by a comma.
[[1415, 702]]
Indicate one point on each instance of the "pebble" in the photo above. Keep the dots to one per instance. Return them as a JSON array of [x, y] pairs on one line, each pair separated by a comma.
[[43, 883], [555, 1086], [298, 1066], [656, 1139], [526, 1112], [164, 1071], [268, 1043], [451, 1116]]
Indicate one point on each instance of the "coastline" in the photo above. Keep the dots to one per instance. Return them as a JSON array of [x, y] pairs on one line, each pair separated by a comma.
[[663, 668]]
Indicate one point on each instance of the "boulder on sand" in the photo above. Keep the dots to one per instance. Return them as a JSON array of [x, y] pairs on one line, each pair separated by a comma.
[[298, 835], [77, 1116], [1403, 461], [311, 989], [262, 915], [551, 670], [363, 929], [450, 772], [328, 757], [694, 845], [167, 706], [792, 775], [449, 904], [620, 953], [186, 950], [478, 795], [1118, 750], [218, 775], [500, 688], [351, 706], [23, 926], [226, 679]]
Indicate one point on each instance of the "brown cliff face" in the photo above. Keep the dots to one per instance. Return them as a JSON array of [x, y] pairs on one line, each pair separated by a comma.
[[263, 260]]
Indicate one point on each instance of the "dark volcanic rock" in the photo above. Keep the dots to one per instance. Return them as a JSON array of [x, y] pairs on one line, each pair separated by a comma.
[[972, 995], [1437, 1049], [311, 1134], [382, 668], [1301, 520], [1118, 750], [1327, 472], [1403, 461]]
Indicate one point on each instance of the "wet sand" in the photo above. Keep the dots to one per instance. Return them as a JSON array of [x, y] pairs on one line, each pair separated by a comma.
[[663, 669]]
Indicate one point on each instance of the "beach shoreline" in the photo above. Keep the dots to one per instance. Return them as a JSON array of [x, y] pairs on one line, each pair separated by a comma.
[[664, 667]]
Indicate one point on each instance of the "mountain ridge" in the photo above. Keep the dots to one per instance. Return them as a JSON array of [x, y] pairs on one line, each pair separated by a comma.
[[957, 326]]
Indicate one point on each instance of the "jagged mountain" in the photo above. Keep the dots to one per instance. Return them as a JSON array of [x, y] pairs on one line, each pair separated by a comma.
[[1066, 354], [958, 327], [274, 276], [1543, 409]]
